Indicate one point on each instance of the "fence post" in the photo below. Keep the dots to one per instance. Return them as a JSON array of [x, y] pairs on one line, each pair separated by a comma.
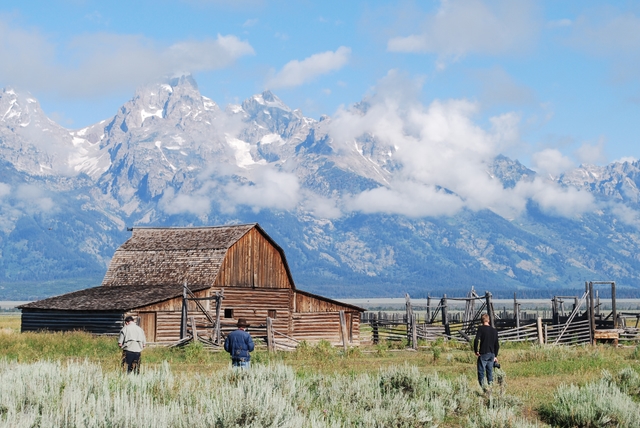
[[540, 333], [414, 332], [194, 331], [490, 310], [614, 312], [374, 333], [343, 331], [516, 310], [271, 346], [409, 315], [592, 314], [445, 316], [183, 318]]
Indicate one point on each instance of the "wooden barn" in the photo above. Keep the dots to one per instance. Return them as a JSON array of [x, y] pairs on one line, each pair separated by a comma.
[[240, 262]]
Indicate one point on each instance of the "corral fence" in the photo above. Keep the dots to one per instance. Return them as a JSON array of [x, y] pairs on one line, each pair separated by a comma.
[[582, 322]]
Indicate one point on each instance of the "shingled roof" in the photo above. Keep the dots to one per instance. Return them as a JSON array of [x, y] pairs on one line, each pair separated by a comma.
[[163, 256], [110, 298]]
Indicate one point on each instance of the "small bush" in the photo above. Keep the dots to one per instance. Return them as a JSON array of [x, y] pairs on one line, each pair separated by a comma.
[[597, 404]]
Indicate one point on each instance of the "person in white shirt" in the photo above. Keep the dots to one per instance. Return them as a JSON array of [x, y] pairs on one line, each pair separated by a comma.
[[132, 341]]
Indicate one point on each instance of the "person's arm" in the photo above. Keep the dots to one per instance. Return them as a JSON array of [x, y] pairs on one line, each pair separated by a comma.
[[475, 342], [497, 346], [249, 343], [226, 344], [121, 338]]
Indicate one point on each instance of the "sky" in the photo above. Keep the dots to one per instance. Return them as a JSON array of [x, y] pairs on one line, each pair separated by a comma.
[[562, 78]]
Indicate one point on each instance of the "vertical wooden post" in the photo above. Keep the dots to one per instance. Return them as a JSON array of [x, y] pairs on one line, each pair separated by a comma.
[[343, 331], [409, 315], [183, 319], [374, 333], [217, 332], [270, 336], [614, 312], [554, 307], [429, 309], [414, 332], [445, 316], [516, 310], [540, 333], [490, 310], [194, 330], [592, 314]]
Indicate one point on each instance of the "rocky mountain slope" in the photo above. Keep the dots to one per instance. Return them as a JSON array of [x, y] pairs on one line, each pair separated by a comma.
[[324, 190]]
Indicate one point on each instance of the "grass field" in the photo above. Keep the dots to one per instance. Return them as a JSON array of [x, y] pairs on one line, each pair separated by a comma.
[[377, 379]]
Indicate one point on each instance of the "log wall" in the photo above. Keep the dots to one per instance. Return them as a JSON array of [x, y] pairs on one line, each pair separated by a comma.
[[314, 327], [55, 320], [255, 304]]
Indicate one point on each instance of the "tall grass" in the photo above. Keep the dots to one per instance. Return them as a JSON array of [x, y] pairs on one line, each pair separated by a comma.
[[83, 394]]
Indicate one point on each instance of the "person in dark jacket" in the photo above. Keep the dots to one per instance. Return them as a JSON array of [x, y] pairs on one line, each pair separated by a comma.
[[487, 351], [239, 344]]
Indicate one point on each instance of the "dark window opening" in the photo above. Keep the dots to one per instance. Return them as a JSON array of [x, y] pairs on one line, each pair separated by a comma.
[[228, 313], [272, 313]]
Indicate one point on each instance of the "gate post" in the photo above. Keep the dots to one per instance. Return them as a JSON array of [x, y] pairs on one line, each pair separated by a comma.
[[445, 316], [540, 333], [592, 317]]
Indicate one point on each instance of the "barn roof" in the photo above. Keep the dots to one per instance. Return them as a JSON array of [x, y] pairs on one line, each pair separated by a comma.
[[115, 298], [173, 255]]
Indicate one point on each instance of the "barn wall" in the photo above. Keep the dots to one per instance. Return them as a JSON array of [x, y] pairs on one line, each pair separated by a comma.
[[97, 322], [314, 327], [254, 305], [253, 261]]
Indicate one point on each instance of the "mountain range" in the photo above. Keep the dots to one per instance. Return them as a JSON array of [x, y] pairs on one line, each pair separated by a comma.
[[357, 213]]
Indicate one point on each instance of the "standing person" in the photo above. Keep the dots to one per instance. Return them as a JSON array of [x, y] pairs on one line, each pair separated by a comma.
[[487, 352], [239, 344], [132, 341]]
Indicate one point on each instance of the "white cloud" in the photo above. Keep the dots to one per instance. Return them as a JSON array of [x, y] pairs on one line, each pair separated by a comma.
[[442, 157], [552, 162], [250, 22], [32, 199], [460, 28], [607, 33], [407, 198], [560, 23], [498, 87], [556, 200], [592, 154], [103, 62], [296, 73], [269, 189], [5, 190], [172, 203]]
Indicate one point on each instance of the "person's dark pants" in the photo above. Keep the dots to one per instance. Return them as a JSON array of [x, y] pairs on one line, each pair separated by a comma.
[[485, 365], [241, 364], [132, 360]]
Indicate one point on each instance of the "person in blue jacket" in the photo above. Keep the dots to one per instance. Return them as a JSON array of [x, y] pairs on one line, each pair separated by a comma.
[[239, 344]]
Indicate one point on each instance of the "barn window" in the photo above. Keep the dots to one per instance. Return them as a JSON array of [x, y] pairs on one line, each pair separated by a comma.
[[228, 313], [272, 313]]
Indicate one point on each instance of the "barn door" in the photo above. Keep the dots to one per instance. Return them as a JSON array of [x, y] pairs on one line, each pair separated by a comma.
[[148, 324]]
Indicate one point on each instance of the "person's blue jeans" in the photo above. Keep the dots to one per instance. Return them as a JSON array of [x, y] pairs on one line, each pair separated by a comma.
[[485, 365], [241, 364]]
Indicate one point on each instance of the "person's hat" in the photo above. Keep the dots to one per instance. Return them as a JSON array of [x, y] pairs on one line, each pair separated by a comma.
[[128, 319], [242, 322]]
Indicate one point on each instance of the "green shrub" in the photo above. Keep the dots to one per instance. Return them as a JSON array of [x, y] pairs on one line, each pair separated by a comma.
[[597, 404]]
